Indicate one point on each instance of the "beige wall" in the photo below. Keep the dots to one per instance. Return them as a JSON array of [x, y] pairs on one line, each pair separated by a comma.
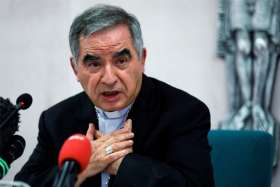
[[180, 38]]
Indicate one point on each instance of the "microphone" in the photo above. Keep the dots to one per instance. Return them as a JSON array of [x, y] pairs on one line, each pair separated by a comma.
[[11, 146], [73, 159], [23, 102], [11, 152]]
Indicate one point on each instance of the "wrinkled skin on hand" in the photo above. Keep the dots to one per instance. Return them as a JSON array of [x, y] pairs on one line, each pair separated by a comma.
[[121, 142]]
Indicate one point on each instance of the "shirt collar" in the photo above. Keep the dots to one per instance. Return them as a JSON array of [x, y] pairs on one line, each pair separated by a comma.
[[114, 114]]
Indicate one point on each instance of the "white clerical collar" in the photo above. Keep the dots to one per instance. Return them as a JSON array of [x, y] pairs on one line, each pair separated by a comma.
[[114, 114]]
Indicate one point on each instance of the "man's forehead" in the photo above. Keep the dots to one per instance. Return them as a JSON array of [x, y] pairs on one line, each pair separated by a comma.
[[105, 43], [104, 48]]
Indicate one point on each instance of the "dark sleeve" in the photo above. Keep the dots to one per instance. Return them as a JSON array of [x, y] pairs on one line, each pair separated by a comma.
[[187, 161], [41, 167]]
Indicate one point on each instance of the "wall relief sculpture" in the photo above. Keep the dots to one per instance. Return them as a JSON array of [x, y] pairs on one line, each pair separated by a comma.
[[249, 43]]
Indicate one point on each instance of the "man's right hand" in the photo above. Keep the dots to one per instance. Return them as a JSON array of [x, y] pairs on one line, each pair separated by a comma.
[[121, 143]]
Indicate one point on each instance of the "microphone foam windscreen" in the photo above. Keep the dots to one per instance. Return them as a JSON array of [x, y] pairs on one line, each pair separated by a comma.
[[24, 100], [6, 132], [77, 148]]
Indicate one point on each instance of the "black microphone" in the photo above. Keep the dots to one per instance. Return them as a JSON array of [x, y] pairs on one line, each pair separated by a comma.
[[10, 153], [23, 102], [11, 146]]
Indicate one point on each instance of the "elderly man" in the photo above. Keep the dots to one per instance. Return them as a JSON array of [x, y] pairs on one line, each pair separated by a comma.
[[143, 132]]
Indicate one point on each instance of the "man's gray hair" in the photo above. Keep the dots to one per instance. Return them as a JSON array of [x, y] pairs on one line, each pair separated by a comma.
[[101, 17]]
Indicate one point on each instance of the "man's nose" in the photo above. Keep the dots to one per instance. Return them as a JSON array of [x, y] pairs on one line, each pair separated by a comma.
[[109, 76]]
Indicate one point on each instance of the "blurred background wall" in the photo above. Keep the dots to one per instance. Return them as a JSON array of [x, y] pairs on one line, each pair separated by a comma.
[[180, 37]]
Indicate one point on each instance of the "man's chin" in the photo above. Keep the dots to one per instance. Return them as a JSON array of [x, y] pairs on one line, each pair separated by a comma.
[[110, 107]]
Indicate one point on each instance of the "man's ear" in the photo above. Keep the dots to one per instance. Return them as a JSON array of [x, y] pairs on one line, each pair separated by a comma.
[[144, 55], [74, 65], [143, 59]]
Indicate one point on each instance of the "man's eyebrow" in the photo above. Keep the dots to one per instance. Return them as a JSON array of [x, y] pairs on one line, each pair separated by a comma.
[[122, 53], [90, 57]]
